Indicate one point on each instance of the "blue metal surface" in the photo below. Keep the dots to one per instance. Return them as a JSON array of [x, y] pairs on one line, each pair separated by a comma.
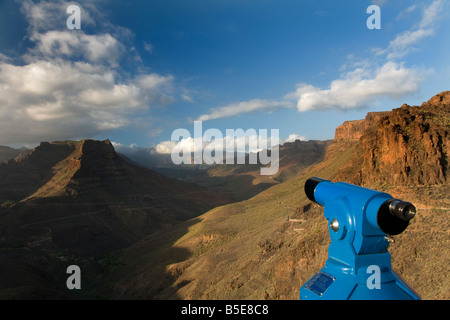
[[357, 246]]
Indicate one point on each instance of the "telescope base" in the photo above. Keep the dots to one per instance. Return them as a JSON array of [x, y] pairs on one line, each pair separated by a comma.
[[340, 286]]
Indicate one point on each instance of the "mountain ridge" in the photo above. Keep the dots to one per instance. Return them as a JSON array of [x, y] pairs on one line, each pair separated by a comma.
[[78, 202]]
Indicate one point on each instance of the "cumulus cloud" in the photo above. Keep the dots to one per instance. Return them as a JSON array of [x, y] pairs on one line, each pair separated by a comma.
[[250, 141], [69, 83], [234, 109], [294, 137], [51, 100], [92, 48], [359, 87], [366, 82]]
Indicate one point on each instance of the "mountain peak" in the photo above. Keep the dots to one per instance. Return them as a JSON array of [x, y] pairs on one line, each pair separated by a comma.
[[88, 160], [441, 99]]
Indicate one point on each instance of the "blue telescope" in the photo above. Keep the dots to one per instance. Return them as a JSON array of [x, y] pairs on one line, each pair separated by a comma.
[[360, 222]]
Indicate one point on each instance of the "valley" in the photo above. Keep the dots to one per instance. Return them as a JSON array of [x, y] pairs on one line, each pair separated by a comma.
[[250, 250], [220, 232]]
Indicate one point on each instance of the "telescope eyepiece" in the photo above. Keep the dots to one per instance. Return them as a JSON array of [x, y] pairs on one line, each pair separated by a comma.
[[310, 187], [394, 215], [402, 209]]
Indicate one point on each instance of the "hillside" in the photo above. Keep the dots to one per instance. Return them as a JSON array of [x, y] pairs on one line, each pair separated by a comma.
[[8, 153], [79, 201], [249, 249], [238, 181]]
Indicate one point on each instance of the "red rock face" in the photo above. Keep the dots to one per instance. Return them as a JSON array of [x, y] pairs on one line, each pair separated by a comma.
[[407, 146], [354, 130]]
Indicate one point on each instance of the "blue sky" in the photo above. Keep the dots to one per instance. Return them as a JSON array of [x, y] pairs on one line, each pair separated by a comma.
[[138, 70]]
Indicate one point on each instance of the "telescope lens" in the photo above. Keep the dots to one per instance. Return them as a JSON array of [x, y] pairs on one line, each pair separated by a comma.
[[310, 187], [394, 215], [409, 212], [402, 209]]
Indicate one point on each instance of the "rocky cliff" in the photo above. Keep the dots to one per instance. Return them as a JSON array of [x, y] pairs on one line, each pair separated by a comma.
[[353, 130], [407, 146]]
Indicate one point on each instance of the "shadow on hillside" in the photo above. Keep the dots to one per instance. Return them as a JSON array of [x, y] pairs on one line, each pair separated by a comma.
[[34, 269], [148, 270], [238, 186], [173, 263], [241, 187]]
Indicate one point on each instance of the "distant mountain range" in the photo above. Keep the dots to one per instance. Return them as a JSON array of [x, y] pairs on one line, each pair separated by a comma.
[[218, 232]]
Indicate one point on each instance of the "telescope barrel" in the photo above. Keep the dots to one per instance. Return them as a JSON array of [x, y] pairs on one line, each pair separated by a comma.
[[310, 187], [392, 216]]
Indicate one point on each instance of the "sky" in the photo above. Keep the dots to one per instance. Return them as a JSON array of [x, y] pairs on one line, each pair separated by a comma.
[[137, 70]]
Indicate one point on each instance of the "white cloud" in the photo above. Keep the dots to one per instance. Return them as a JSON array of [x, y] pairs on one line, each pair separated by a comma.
[[92, 48], [42, 97], [405, 42], [234, 109], [431, 14], [69, 84], [250, 141], [294, 137], [4, 58], [166, 147], [365, 82], [122, 148], [186, 96], [148, 47], [359, 87], [405, 13], [45, 15]]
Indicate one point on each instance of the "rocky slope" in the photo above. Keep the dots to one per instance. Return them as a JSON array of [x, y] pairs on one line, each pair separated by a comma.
[[249, 250], [78, 201], [7, 153]]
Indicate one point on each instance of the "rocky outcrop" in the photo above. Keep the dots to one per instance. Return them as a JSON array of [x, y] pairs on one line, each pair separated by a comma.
[[353, 130], [407, 146], [350, 130]]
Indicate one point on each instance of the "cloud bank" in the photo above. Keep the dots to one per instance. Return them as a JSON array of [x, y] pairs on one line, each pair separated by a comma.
[[69, 83], [359, 87]]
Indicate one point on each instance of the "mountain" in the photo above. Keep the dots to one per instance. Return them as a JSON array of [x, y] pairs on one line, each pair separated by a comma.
[[250, 250], [80, 201], [8, 153], [408, 146], [238, 181]]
